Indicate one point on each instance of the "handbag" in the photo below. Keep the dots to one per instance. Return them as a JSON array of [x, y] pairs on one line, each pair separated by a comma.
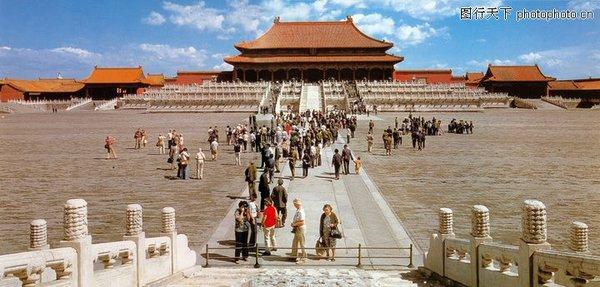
[[319, 249], [336, 233]]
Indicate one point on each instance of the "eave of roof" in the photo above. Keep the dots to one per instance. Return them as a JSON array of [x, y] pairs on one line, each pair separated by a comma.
[[309, 59], [333, 34]]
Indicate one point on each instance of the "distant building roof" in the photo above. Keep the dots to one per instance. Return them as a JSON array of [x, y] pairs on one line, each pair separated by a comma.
[[116, 75], [474, 76], [45, 85], [515, 74], [155, 79], [334, 34], [312, 59], [576, 84]]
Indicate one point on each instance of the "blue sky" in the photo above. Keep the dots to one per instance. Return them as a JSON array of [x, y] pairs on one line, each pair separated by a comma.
[[43, 38]]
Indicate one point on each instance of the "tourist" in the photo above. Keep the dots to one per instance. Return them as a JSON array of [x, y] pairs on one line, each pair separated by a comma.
[[348, 134], [292, 161], [347, 156], [371, 126], [214, 149], [328, 225], [160, 143], [318, 153], [270, 167], [337, 161], [305, 163], [299, 230], [137, 136], [242, 229], [253, 210], [144, 139], [397, 138], [369, 142], [269, 222], [279, 197], [183, 163], [109, 146], [357, 165], [237, 149], [263, 188], [278, 154], [172, 152], [250, 179], [200, 157]]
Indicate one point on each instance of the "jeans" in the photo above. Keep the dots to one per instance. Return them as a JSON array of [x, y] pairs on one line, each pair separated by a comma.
[[346, 166], [241, 244]]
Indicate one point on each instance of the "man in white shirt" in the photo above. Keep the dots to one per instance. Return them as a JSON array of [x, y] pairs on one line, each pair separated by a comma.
[[214, 149], [200, 157], [299, 230]]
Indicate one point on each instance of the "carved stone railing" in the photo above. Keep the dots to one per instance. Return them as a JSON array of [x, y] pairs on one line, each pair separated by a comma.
[[51, 267], [555, 268], [135, 261], [478, 261], [457, 261], [115, 264], [498, 265]]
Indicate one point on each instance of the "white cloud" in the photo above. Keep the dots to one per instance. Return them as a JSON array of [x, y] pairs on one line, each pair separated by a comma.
[[530, 57], [81, 53], [434, 9], [18, 62], [197, 16], [482, 64], [223, 67], [361, 4], [413, 35], [580, 5], [164, 52], [154, 18], [374, 24]]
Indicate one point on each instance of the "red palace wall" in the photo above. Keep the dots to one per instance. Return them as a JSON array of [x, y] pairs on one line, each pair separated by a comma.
[[430, 76], [8, 93], [187, 78]]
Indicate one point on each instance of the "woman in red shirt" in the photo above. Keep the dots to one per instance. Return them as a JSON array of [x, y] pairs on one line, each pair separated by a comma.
[[268, 223]]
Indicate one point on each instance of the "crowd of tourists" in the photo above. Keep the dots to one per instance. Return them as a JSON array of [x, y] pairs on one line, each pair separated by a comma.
[[460, 127], [299, 138]]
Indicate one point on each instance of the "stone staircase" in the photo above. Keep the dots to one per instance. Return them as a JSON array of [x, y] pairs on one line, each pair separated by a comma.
[[310, 98], [299, 276]]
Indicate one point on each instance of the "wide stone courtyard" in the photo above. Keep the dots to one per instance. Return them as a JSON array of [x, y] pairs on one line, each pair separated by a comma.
[[513, 155]]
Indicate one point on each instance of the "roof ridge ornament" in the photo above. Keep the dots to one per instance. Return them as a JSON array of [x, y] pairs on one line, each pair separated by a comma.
[[277, 19], [349, 18]]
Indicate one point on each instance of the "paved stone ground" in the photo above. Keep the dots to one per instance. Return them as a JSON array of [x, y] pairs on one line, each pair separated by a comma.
[[302, 276], [365, 219]]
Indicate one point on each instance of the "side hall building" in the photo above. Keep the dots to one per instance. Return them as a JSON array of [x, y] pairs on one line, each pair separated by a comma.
[[313, 51], [517, 81]]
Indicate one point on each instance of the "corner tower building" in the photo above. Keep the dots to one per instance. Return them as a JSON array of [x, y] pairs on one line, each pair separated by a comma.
[[313, 51]]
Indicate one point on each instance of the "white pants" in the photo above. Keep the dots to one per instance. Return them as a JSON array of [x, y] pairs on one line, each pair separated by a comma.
[[269, 233], [200, 169]]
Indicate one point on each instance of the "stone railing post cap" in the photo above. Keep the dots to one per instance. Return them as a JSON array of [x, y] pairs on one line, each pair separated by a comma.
[[481, 208], [76, 202], [534, 203], [38, 222], [168, 210], [579, 224], [134, 206], [445, 210]]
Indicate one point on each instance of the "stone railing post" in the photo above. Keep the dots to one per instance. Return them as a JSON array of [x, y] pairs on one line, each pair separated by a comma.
[[533, 238], [434, 258], [135, 232], [75, 225], [38, 235], [579, 237], [168, 229], [480, 233]]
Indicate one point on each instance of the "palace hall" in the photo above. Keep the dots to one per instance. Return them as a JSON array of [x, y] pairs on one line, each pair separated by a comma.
[[313, 51]]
